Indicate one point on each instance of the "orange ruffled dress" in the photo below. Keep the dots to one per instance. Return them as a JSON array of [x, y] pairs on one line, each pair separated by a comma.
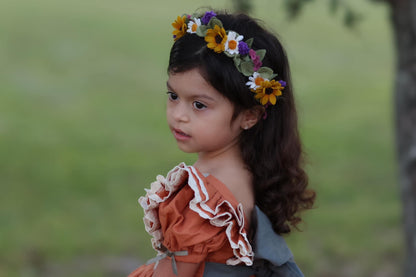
[[187, 211]]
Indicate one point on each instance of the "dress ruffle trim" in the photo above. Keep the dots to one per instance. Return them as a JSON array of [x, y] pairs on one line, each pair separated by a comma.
[[223, 215]]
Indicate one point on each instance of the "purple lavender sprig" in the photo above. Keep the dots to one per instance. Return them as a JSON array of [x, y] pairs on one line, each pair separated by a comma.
[[207, 17], [243, 48], [256, 59]]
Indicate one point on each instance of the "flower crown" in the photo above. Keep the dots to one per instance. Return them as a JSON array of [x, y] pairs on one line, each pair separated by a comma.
[[246, 60]]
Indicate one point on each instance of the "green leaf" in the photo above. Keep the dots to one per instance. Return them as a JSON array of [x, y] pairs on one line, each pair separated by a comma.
[[261, 53], [237, 63], [266, 72], [214, 21], [196, 15], [202, 31], [229, 55], [247, 68], [237, 60], [246, 58], [249, 42]]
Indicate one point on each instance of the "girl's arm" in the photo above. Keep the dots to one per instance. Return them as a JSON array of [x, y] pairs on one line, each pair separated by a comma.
[[164, 269]]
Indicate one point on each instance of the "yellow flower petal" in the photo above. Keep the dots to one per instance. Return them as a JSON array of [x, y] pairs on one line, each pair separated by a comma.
[[272, 99], [268, 91], [216, 39], [180, 27], [219, 48], [265, 99], [258, 95], [211, 45]]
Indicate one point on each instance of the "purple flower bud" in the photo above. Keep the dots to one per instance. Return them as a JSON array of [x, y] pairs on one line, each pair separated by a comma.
[[257, 64], [253, 54], [283, 83], [243, 48], [207, 17]]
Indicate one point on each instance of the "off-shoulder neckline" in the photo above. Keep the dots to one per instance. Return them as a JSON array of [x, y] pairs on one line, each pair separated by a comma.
[[226, 192], [220, 186], [264, 237]]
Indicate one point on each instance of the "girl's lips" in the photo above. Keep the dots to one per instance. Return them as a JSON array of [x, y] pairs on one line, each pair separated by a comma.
[[179, 135]]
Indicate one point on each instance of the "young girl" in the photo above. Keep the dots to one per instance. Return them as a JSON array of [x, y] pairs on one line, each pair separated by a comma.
[[230, 100]]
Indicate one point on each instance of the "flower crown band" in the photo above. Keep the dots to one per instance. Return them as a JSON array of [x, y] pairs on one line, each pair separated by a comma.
[[246, 60]]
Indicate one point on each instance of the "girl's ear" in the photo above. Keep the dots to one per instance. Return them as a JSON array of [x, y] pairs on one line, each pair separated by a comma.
[[251, 117]]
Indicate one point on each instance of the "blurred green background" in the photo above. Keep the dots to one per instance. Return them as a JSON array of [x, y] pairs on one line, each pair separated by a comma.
[[82, 133]]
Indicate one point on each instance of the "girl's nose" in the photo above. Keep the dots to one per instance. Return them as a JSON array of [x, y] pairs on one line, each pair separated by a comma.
[[180, 113]]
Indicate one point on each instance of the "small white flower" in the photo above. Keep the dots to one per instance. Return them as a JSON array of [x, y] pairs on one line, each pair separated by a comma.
[[255, 81], [193, 25], [231, 46]]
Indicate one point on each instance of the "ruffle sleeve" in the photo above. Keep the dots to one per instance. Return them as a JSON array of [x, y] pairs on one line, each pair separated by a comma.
[[185, 212]]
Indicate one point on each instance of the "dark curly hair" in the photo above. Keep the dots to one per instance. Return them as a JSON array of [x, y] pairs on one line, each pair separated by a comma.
[[271, 149]]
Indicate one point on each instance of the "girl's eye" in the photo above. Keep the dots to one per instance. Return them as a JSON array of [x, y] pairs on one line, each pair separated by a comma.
[[199, 106], [172, 95]]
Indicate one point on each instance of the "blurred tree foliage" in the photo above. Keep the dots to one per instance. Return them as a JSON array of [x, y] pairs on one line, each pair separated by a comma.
[[243, 6], [350, 16]]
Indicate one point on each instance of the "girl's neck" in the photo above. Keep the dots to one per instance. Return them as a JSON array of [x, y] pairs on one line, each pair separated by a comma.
[[216, 162], [229, 167]]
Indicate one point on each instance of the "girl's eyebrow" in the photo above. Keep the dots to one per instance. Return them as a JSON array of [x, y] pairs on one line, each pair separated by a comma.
[[209, 98], [168, 86]]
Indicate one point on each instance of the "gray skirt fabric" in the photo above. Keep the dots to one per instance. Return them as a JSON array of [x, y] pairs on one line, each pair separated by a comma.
[[272, 256]]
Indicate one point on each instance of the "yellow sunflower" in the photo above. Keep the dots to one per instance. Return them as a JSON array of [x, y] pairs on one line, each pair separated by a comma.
[[216, 39], [180, 27], [268, 91]]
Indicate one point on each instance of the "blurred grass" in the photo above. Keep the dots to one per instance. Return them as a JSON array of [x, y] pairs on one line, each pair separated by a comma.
[[82, 131]]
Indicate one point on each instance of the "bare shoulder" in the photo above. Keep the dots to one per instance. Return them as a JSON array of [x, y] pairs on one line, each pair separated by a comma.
[[239, 182]]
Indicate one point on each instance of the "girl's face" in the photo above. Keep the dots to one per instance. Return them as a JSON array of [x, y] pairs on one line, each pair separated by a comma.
[[199, 116]]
